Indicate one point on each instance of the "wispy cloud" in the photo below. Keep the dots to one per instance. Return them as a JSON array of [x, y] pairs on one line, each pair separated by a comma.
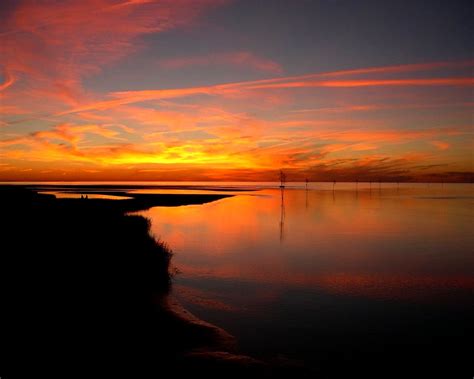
[[368, 83], [378, 107], [61, 133], [242, 59], [8, 81], [416, 67], [60, 43], [293, 82]]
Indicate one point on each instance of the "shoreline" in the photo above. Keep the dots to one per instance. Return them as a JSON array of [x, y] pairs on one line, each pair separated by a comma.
[[217, 354], [219, 339], [107, 276]]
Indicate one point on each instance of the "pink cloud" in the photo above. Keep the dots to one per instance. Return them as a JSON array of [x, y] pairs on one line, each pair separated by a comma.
[[244, 59], [53, 45]]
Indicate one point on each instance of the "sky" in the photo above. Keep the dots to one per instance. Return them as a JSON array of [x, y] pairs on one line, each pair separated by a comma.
[[232, 90]]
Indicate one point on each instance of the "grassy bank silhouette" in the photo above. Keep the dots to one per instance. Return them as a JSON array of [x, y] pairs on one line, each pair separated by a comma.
[[85, 294], [83, 285]]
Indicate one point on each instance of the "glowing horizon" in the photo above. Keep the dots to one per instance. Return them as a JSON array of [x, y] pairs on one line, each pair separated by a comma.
[[117, 91]]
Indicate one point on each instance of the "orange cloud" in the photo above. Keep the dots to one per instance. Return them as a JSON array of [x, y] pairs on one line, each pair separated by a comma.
[[243, 59], [62, 132], [9, 80], [11, 109], [369, 83], [441, 145], [68, 142], [130, 97]]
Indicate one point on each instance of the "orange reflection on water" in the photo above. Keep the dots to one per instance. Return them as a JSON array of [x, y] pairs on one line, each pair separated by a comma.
[[380, 244], [77, 195], [400, 286]]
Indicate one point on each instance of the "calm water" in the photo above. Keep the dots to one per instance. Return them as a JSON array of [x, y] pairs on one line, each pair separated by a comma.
[[324, 276]]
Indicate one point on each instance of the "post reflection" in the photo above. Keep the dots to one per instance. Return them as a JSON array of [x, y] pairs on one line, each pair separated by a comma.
[[282, 214]]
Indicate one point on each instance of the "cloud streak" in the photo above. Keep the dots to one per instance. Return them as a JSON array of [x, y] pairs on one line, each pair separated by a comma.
[[304, 81], [240, 59]]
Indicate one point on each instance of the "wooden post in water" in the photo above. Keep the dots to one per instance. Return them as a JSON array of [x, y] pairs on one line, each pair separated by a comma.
[[282, 179]]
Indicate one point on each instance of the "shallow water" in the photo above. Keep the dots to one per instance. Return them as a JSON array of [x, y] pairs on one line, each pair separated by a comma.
[[74, 195], [319, 275]]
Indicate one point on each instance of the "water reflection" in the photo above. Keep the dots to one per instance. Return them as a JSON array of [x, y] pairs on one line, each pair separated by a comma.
[[282, 215], [79, 195], [342, 249], [359, 235]]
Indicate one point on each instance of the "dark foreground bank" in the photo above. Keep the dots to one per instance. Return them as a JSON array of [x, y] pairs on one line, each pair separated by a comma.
[[84, 294]]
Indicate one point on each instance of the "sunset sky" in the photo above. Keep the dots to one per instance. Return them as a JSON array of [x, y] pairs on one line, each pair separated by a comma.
[[236, 90]]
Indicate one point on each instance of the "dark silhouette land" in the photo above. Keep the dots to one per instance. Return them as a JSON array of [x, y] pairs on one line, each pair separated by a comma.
[[84, 294]]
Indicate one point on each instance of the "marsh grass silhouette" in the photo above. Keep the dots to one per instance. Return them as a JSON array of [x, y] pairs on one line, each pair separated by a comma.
[[79, 282], [82, 290]]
